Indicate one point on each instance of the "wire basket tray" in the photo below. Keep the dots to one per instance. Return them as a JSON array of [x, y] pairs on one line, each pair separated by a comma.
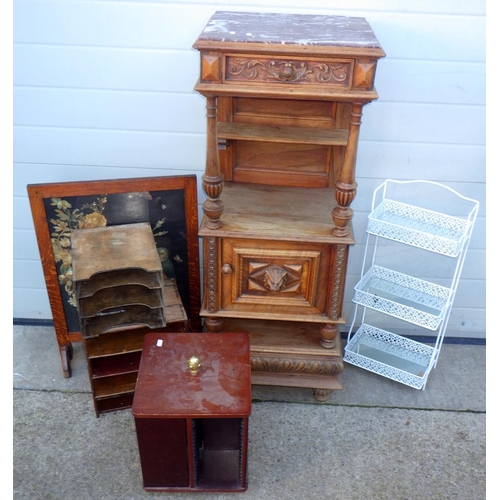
[[390, 355], [433, 231], [401, 296]]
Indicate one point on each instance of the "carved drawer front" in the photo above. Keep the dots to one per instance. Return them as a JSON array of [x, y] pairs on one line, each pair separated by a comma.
[[338, 73], [266, 70], [275, 277]]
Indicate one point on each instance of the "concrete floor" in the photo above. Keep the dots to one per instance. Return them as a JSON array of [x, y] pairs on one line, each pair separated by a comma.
[[375, 439]]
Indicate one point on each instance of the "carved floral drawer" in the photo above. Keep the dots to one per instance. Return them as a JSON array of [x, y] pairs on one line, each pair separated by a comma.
[[343, 74], [279, 278], [237, 68]]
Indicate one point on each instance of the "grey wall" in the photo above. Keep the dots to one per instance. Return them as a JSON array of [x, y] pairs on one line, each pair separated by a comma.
[[103, 90]]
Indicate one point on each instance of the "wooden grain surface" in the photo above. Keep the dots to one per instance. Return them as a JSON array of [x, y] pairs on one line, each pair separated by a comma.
[[167, 387]]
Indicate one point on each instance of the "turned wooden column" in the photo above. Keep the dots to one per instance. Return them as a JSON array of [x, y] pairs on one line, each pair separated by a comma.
[[214, 325], [328, 335], [345, 187], [212, 180]]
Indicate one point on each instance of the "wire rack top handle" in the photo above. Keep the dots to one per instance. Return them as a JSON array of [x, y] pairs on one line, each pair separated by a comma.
[[385, 184]]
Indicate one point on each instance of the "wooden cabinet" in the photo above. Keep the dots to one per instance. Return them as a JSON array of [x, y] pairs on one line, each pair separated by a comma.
[[285, 95], [192, 417]]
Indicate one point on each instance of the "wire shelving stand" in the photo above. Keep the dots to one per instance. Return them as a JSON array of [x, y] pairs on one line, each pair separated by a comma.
[[428, 216]]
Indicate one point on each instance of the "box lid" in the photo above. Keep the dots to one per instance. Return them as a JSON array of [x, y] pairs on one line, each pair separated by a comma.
[[166, 386]]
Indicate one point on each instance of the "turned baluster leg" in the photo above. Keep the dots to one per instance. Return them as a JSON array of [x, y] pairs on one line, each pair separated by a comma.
[[214, 325], [328, 335], [345, 187], [212, 180]]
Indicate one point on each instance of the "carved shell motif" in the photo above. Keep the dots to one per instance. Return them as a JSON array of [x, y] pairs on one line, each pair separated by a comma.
[[275, 278]]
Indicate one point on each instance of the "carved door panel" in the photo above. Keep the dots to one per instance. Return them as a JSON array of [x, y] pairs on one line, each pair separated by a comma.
[[277, 279]]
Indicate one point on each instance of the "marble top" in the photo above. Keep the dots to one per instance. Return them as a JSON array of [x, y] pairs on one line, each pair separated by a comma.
[[289, 29]]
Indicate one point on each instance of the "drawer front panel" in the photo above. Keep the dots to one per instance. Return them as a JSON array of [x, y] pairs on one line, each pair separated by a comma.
[[275, 277], [268, 70]]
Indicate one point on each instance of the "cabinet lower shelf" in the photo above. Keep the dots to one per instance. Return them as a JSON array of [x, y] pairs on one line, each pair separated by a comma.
[[288, 354], [393, 356]]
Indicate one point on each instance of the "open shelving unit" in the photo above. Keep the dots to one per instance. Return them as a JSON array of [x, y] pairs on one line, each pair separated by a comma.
[[443, 227], [113, 357]]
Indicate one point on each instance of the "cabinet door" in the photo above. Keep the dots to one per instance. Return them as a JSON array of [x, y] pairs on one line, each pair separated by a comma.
[[279, 279]]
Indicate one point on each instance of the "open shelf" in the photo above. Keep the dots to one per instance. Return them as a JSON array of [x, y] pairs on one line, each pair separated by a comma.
[[114, 403], [115, 365], [113, 386], [292, 135], [219, 470], [414, 300], [419, 227], [282, 213], [218, 453], [390, 355], [116, 343]]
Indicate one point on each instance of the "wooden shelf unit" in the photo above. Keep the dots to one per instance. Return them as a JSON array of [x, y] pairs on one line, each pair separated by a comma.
[[113, 357], [283, 121]]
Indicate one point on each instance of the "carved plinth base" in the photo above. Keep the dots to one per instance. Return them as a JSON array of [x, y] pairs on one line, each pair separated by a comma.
[[287, 364], [288, 354]]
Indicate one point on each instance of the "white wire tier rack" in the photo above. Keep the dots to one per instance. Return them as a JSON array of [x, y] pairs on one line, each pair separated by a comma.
[[390, 355], [411, 299], [419, 227], [429, 216]]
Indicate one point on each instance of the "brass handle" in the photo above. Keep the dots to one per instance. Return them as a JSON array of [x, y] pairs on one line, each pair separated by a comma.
[[226, 269], [194, 364]]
